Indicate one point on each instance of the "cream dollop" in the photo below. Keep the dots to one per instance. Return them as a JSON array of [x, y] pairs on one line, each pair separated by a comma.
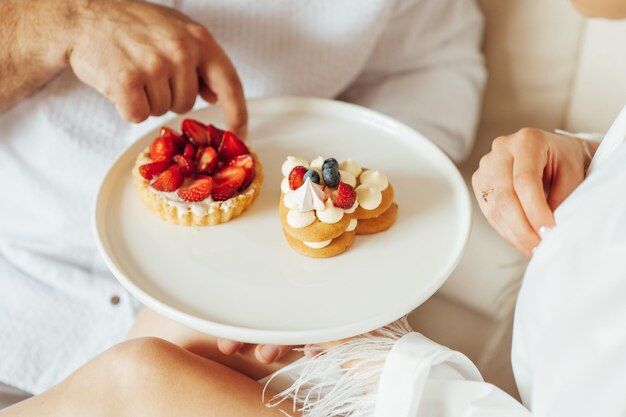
[[309, 196], [374, 179], [318, 245], [369, 197], [298, 219], [351, 166], [353, 208], [318, 162], [352, 225], [347, 177], [291, 162], [290, 200], [284, 186], [330, 214]]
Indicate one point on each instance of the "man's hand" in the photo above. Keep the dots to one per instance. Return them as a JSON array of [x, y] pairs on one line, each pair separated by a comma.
[[149, 59], [525, 177]]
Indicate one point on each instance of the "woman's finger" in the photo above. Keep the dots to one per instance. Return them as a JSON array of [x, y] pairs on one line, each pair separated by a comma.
[[267, 354], [500, 204], [229, 347], [528, 170]]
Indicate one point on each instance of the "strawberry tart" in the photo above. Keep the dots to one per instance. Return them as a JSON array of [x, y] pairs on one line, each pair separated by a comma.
[[324, 204], [203, 176]]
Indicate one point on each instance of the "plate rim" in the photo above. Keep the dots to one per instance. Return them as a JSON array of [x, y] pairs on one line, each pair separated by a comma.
[[288, 337]]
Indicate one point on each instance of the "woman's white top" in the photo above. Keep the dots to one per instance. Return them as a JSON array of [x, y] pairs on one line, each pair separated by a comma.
[[569, 339], [416, 60]]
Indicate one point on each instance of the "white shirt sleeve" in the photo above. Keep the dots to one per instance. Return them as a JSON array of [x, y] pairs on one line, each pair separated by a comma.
[[427, 71], [569, 341]]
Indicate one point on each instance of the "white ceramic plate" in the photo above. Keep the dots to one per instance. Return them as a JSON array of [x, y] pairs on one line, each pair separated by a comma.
[[241, 280]]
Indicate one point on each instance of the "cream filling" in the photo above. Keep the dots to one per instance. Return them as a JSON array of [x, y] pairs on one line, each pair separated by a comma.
[[318, 245], [352, 225], [200, 208], [318, 162]]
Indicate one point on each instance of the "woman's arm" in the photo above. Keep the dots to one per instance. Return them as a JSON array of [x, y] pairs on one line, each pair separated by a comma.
[[427, 71]]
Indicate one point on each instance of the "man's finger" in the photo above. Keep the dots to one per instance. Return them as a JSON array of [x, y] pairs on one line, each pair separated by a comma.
[[132, 104], [184, 86], [220, 76], [159, 96], [228, 347]]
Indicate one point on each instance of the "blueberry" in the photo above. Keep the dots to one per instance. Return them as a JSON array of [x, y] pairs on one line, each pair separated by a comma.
[[330, 162], [313, 175], [331, 176]]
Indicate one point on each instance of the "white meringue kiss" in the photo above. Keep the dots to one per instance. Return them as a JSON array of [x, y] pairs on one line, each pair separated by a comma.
[[291, 162], [318, 245], [352, 225], [375, 179], [298, 219], [330, 214], [309, 196], [351, 166], [369, 197]]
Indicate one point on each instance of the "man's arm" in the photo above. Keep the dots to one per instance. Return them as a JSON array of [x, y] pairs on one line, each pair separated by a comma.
[[33, 48], [147, 59]]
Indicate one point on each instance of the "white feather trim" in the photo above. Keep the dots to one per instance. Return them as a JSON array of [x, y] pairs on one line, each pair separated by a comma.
[[343, 380]]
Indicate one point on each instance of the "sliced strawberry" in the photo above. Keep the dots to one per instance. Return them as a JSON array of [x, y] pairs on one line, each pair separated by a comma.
[[149, 171], [199, 189], [231, 147], [187, 167], [215, 136], [207, 160], [163, 148], [169, 180], [227, 181], [196, 132], [178, 139], [296, 177], [189, 151], [346, 196], [247, 163]]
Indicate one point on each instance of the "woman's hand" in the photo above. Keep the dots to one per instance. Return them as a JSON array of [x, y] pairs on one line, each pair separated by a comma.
[[266, 354], [149, 59], [525, 177]]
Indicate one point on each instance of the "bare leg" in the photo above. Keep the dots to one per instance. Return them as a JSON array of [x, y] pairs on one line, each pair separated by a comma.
[[150, 377], [151, 324]]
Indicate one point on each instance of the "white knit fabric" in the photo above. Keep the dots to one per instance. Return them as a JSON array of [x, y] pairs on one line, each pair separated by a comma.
[[416, 60]]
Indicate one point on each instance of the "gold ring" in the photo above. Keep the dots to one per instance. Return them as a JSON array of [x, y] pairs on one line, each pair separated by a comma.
[[486, 194]]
